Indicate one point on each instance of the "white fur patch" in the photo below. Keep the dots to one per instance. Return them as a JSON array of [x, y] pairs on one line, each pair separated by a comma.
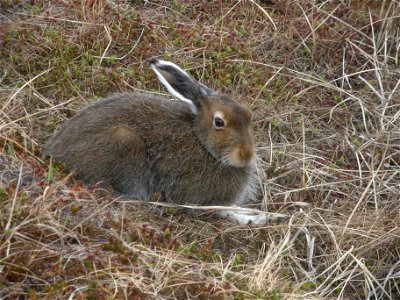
[[244, 217]]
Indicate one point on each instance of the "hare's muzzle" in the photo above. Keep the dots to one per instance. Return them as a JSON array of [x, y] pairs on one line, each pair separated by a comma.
[[246, 154], [241, 156]]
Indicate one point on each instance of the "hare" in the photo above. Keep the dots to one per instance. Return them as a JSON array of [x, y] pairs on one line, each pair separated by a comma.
[[196, 150]]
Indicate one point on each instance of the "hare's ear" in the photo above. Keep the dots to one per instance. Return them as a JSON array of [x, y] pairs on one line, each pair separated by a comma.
[[180, 84]]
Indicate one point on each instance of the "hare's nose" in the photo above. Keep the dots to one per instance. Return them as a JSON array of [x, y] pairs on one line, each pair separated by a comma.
[[246, 153]]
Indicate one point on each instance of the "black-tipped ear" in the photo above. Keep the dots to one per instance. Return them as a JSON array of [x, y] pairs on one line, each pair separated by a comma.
[[180, 84]]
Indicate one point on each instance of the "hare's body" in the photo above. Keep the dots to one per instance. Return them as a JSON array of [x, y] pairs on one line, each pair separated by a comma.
[[197, 150], [141, 144]]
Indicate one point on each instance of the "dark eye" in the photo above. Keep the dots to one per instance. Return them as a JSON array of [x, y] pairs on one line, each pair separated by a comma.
[[218, 122]]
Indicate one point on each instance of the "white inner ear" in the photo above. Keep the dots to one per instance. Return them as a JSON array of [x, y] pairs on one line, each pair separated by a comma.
[[170, 89], [203, 88]]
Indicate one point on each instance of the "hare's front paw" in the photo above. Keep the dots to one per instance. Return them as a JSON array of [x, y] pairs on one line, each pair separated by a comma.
[[244, 217]]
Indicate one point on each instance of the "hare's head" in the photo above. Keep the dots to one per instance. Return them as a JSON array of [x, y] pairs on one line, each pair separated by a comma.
[[222, 124]]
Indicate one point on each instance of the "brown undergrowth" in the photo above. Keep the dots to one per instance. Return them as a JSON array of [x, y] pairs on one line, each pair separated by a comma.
[[323, 80]]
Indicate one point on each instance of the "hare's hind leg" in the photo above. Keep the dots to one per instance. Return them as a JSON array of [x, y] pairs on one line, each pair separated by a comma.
[[127, 162]]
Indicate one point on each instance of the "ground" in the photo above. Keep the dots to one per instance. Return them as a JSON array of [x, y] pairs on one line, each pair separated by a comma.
[[322, 78]]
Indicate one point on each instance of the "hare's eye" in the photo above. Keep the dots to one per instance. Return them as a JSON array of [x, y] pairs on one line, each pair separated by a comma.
[[218, 122]]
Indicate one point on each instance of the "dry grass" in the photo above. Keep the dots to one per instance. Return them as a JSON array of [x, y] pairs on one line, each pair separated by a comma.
[[323, 79]]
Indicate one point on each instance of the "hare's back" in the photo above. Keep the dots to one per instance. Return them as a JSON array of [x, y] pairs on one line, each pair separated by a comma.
[[133, 110], [126, 109]]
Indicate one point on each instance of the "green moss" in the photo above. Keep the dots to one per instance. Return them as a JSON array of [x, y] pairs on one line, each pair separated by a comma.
[[237, 259], [55, 287], [33, 9], [308, 286], [3, 195]]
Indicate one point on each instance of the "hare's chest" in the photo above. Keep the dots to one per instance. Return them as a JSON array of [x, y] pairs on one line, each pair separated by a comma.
[[184, 174]]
